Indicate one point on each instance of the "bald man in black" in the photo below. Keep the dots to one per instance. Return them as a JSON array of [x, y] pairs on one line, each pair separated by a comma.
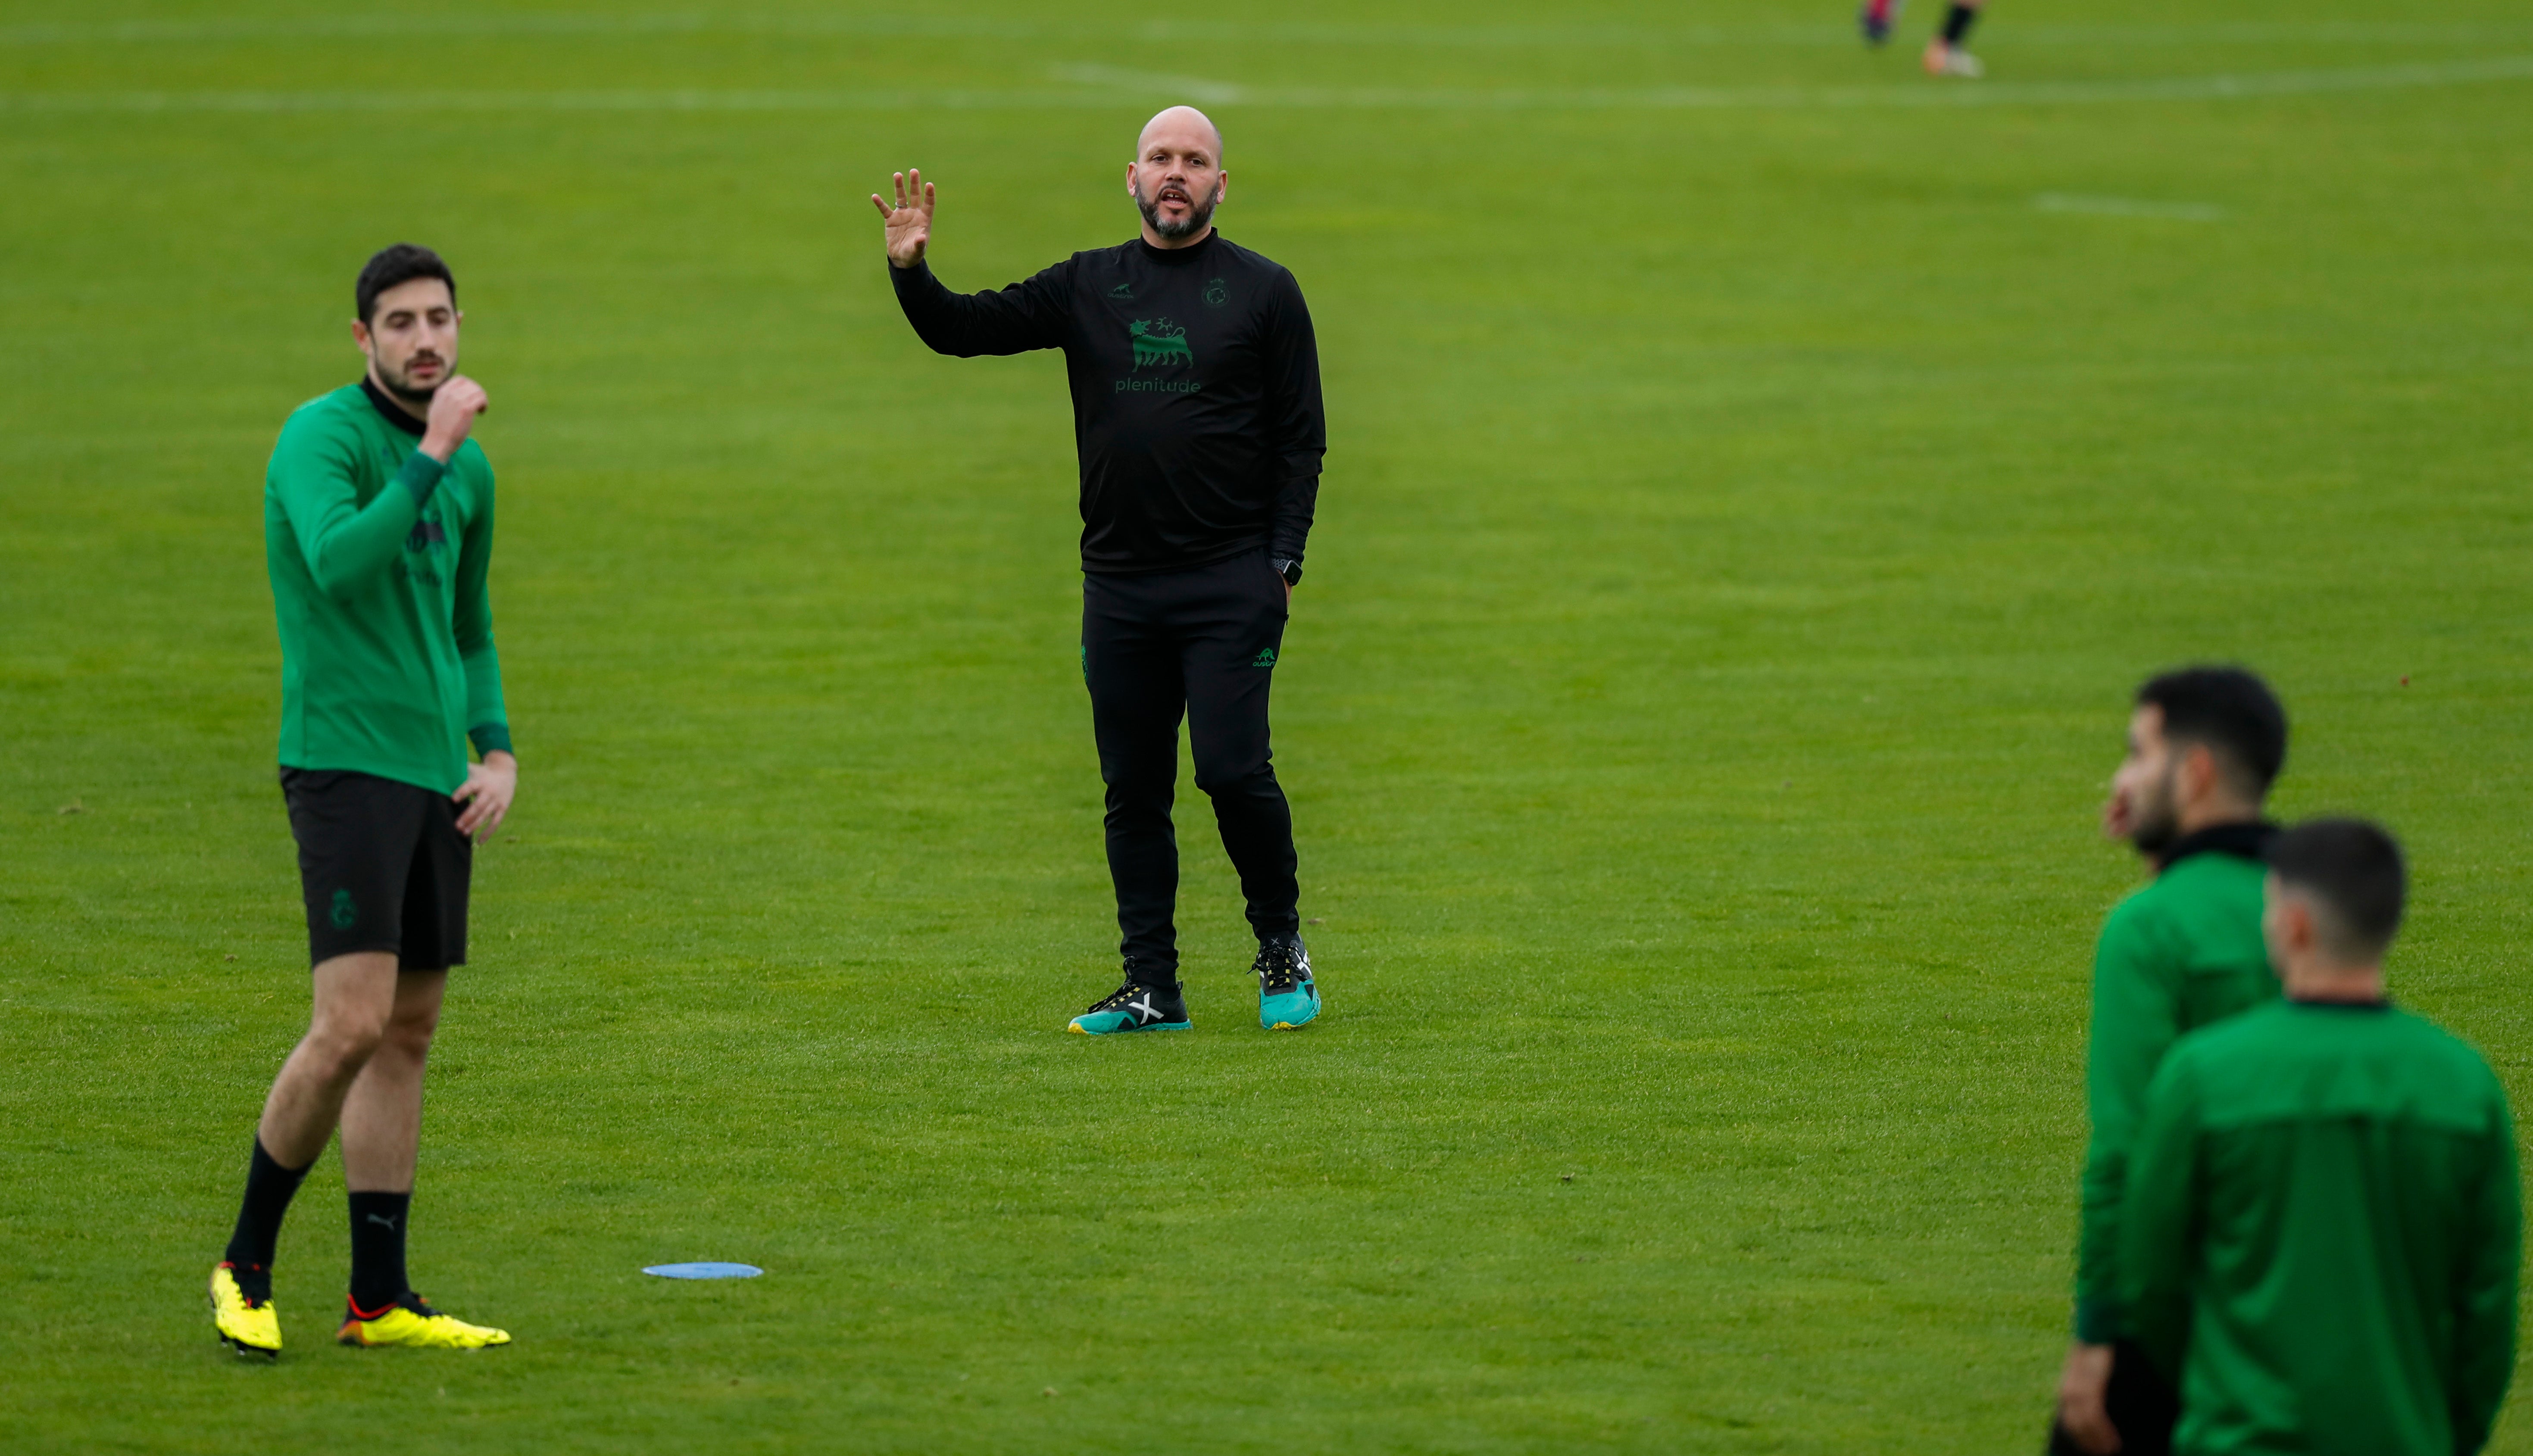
[[1196, 415]]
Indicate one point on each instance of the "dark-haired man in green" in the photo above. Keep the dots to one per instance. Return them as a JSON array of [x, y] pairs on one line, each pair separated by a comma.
[[377, 525], [2204, 747], [2323, 1224]]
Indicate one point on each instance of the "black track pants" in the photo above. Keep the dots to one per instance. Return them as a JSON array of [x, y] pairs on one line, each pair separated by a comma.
[[1202, 642]]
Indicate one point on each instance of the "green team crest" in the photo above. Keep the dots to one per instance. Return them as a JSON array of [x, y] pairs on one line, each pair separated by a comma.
[[1159, 343], [344, 914]]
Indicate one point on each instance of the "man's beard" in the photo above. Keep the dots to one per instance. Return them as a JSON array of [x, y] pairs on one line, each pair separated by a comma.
[[401, 385], [2159, 818], [1199, 217]]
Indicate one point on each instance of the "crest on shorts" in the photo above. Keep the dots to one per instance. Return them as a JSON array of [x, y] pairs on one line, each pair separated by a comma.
[[1159, 344], [344, 914]]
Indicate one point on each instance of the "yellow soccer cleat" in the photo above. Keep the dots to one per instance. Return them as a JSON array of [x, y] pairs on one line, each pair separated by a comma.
[[246, 1319], [415, 1325]]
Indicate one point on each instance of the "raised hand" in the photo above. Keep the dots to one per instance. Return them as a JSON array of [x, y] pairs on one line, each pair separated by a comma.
[[910, 222]]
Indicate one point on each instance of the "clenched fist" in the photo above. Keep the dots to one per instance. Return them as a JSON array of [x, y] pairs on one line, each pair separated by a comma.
[[454, 408]]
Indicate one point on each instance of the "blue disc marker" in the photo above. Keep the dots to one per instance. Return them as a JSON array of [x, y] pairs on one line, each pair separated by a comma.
[[704, 1271]]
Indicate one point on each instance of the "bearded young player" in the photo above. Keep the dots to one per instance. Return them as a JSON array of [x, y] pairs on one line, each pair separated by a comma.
[[1196, 414], [2204, 747], [378, 528]]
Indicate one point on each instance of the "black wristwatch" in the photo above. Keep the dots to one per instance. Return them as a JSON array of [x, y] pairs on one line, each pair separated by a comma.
[[1287, 569]]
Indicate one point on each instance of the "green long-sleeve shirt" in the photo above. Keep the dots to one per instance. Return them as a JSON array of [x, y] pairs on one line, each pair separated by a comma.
[[2323, 1235], [378, 555], [2179, 954]]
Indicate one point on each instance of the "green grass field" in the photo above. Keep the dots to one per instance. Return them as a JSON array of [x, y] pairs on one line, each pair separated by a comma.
[[1756, 484]]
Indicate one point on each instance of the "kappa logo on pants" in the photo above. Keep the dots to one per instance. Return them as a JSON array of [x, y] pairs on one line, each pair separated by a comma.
[[1265, 658]]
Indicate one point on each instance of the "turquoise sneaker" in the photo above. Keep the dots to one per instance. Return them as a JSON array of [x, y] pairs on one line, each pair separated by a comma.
[[1287, 997], [1133, 1008]]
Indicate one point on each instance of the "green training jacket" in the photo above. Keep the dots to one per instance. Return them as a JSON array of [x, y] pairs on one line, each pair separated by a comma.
[[2177, 955], [2322, 1234], [377, 555]]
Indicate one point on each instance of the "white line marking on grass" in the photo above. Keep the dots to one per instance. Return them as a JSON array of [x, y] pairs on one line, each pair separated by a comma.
[[2062, 202], [425, 103], [2091, 36], [1211, 92], [1107, 94]]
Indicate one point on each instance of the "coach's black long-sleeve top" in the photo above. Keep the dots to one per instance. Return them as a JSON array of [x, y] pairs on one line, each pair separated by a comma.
[[1195, 393]]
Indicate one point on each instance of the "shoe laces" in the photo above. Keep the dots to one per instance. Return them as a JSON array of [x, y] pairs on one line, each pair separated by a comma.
[[254, 1284], [1279, 967], [1117, 999]]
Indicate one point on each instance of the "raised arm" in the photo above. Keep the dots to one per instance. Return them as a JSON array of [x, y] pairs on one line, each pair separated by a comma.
[[1299, 420], [345, 544], [1026, 315]]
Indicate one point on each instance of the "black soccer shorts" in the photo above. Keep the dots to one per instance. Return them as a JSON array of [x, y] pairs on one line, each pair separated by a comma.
[[382, 866]]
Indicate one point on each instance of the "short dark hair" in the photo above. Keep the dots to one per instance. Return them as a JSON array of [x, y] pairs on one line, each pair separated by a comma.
[[2354, 869], [2232, 712], [400, 262]]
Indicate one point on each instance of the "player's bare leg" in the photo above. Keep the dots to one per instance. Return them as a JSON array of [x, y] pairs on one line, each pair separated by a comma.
[[1946, 54], [382, 1137], [354, 997], [381, 1115]]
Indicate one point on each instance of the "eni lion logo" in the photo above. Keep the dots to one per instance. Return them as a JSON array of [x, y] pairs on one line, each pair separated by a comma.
[[1159, 342]]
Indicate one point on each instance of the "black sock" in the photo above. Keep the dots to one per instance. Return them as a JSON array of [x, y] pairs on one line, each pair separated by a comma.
[[268, 1187], [1958, 22], [377, 1249]]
